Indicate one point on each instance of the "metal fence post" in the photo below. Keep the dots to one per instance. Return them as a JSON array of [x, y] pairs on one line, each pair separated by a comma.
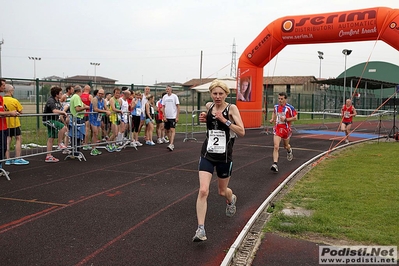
[[37, 103]]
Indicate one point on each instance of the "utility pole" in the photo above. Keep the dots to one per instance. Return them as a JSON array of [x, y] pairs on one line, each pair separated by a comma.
[[233, 64]]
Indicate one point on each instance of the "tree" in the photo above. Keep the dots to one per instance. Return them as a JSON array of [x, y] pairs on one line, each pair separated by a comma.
[[45, 91]]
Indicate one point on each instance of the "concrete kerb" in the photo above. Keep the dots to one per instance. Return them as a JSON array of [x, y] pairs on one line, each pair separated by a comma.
[[239, 240]]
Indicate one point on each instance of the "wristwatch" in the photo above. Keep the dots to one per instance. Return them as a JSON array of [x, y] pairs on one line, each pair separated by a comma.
[[228, 123]]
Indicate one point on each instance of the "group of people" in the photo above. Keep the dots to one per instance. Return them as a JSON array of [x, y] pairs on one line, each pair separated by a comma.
[[108, 117], [223, 125]]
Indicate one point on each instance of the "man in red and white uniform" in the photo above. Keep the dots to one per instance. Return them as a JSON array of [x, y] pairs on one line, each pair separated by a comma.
[[283, 115], [347, 113]]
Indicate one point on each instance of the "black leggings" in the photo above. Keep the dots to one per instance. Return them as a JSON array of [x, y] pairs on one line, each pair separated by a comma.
[[3, 144], [136, 123]]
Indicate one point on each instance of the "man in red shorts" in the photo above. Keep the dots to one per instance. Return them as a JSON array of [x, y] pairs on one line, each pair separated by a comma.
[[347, 113], [283, 115]]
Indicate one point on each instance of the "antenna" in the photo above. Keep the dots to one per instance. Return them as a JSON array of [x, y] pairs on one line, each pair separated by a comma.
[[233, 60]]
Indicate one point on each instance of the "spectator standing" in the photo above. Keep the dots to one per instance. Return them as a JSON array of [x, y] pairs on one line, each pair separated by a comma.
[[160, 129], [147, 91], [55, 128], [65, 102], [14, 126], [78, 109], [86, 99], [136, 117], [97, 110], [115, 117], [125, 115], [106, 124], [66, 97], [3, 127], [149, 120], [171, 110]]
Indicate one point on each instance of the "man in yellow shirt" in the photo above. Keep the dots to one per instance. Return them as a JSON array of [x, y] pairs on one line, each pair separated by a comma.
[[14, 126]]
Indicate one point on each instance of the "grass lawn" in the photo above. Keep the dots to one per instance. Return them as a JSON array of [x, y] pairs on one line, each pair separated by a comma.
[[353, 195]]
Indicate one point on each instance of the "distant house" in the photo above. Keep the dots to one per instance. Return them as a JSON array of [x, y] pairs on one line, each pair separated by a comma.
[[97, 82], [290, 84], [196, 82], [164, 84], [52, 78]]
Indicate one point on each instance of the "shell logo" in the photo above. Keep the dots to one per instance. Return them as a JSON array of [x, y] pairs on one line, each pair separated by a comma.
[[288, 25]]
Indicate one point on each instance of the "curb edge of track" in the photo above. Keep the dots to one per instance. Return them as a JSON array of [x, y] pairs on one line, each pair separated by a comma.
[[244, 232]]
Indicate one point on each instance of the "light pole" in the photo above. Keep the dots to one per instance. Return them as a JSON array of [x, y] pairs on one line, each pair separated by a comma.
[[346, 52], [321, 58], [34, 65], [95, 71], [1, 43]]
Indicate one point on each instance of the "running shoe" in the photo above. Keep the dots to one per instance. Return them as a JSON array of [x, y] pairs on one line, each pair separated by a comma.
[[199, 235], [151, 143], [164, 140], [159, 141], [21, 162], [9, 162], [86, 148], [138, 143], [109, 148], [290, 156], [231, 208], [171, 147], [274, 168], [115, 148], [51, 159], [95, 152], [62, 146]]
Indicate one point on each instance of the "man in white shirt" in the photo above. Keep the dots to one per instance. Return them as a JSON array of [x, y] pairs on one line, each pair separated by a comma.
[[171, 110]]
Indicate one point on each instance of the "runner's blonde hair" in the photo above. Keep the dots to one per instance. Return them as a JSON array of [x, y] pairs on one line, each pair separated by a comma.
[[220, 84]]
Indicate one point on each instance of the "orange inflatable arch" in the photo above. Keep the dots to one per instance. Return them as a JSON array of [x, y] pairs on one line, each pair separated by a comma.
[[380, 23]]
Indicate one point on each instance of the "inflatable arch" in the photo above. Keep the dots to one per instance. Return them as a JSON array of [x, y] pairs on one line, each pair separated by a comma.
[[380, 23]]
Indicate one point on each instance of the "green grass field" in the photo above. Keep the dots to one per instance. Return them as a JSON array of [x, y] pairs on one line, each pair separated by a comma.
[[353, 195]]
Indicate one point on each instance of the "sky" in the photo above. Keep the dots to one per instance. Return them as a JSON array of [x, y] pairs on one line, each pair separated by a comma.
[[153, 41]]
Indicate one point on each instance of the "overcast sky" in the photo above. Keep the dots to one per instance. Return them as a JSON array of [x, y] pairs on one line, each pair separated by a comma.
[[144, 42]]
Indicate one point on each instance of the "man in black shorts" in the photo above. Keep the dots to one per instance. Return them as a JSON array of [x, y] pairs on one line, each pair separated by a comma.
[[14, 126]]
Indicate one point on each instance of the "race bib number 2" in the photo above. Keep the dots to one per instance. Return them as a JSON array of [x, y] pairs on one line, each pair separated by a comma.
[[216, 141]]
